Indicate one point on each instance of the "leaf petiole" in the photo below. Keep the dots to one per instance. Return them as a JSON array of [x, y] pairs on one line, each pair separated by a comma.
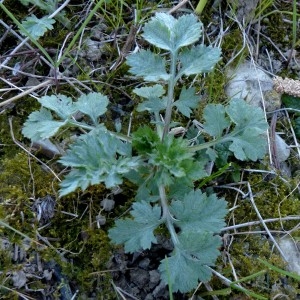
[[120, 136], [171, 85], [166, 216]]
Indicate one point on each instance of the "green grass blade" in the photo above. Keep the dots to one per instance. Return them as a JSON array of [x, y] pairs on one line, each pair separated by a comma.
[[169, 280], [223, 292], [250, 277], [247, 292], [214, 175], [200, 7], [276, 269], [78, 33], [4, 224]]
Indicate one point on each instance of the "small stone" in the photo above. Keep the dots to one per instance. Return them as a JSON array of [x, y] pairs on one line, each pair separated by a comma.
[[144, 263], [160, 290], [149, 297], [154, 276], [19, 279], [252, 84], [139, 277]]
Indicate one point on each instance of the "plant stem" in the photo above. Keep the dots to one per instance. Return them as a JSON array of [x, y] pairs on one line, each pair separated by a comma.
[[120, 136], [159, 128], [167, 217], [220, 140], [171, 85], [207, 144]]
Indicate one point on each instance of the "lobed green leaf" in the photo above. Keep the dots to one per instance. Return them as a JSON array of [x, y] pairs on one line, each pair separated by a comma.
[[188, 262], [148, 65], [215, 120], [197, 212], [187, 101], [247, 116], [166, 32], [198, 59], [49, 6], [153, 105], [137, 233], [62, 105], [152, 93], [148, 92], [40, 125], [158, 30], [173, 160], [249, 145], [248, 138], [96, 157], [37, 27], [144, 140], [93, 105]]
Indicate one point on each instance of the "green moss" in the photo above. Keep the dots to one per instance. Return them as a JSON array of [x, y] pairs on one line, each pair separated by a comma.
[[278, 33], [87, 247], [271, 198], [274, 198], [77, 245], [214, 85], [5, 261], [232, 44]]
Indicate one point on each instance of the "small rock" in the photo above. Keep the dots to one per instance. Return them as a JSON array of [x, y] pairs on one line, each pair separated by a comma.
[[283, 151], [160, 290], [149, 297], [291, 252], [19, 279], [154, 276], [144, 263], [139, 277], [253, 85], [107, 204]]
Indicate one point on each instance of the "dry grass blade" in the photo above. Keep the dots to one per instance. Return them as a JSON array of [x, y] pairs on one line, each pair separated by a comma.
[[253, 223], [34, 88], [22, 296], [263, 222], [29, 153], [250, 196]]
